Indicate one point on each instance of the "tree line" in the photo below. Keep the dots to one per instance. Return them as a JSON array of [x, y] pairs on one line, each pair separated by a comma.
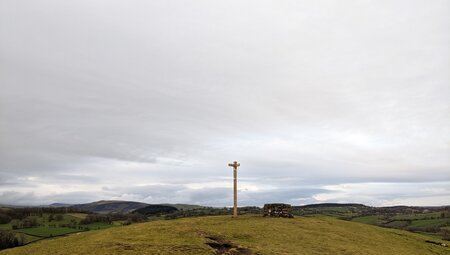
[[111, 217], [8, 214]]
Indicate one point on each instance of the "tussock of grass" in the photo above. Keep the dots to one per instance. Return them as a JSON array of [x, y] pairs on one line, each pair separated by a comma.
[[312, 235]]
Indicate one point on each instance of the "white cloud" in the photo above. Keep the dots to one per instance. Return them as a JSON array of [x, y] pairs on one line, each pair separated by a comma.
[[387, 194]]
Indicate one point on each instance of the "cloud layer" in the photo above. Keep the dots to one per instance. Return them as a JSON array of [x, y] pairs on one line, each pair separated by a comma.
[[147, 100]]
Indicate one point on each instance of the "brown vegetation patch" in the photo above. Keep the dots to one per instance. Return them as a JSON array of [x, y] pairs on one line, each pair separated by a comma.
[[125, 247], [437, 243], [222, 246], [160, 247]]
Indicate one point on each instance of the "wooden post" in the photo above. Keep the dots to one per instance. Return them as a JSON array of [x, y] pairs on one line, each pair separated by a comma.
[[235, 165], [235, 192]]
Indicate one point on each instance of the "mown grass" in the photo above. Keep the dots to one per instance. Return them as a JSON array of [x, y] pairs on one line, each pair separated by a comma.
[[311, 235]]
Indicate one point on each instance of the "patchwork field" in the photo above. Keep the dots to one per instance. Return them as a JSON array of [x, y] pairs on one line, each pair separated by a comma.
[[48, 229], [427, 220], [245, 235]]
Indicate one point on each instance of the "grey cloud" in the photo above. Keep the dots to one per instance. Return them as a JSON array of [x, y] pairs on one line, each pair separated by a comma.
[[163, 94]]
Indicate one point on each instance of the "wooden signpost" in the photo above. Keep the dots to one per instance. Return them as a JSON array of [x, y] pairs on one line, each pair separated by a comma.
[[235, 165]]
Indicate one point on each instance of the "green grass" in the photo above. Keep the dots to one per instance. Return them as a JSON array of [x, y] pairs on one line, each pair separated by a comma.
[[79, 216], [5, 226], [28, 238], [301, 235], [430, 223], [98, 225], [397, 224], [65, 220], [416, 216], [373, 219], [52, 229]]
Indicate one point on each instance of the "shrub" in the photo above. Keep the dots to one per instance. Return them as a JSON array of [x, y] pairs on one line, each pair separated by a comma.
[[8, 239]]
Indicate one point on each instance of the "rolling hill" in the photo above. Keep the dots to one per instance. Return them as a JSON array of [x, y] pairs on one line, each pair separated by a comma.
[[244, 235], [156, 210], [110, 206], [117, 206]]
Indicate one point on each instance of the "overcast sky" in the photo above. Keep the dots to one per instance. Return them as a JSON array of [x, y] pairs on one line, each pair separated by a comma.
[[320, 101]]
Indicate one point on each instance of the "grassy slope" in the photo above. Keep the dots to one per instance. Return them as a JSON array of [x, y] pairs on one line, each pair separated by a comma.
[[262, 235]]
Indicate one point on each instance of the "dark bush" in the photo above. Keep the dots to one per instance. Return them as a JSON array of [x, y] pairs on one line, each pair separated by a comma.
[[4, 218], [8, 239], [156, 210]]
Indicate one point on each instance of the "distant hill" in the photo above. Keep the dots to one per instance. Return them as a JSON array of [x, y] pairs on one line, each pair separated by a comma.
[[117, 206], [185, 207], [151, 210], [325, 205], [12, 206], [110, 206], [57, 205]]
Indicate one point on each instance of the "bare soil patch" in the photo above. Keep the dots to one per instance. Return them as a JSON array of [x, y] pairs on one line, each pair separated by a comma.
[[224, 247]]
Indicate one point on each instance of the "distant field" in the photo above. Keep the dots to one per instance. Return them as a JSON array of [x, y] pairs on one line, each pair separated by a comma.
[[29, 239], [397, 224], [53, 229], [245, 235], [416, 216], [373, 219], [417, 223], [5, 226], [78, 215], [430, 223]]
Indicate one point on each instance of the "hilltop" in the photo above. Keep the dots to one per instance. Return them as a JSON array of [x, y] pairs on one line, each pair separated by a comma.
[[431, 220], [244, 235]]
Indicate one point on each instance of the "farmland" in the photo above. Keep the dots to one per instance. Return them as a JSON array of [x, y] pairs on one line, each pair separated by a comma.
[[433, 221], [22, 226], [54, 228]]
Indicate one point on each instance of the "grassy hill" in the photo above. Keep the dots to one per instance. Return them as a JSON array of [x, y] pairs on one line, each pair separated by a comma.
[[155, 210], [117, 206], [109, 206], [185, 206], [245, 235]]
